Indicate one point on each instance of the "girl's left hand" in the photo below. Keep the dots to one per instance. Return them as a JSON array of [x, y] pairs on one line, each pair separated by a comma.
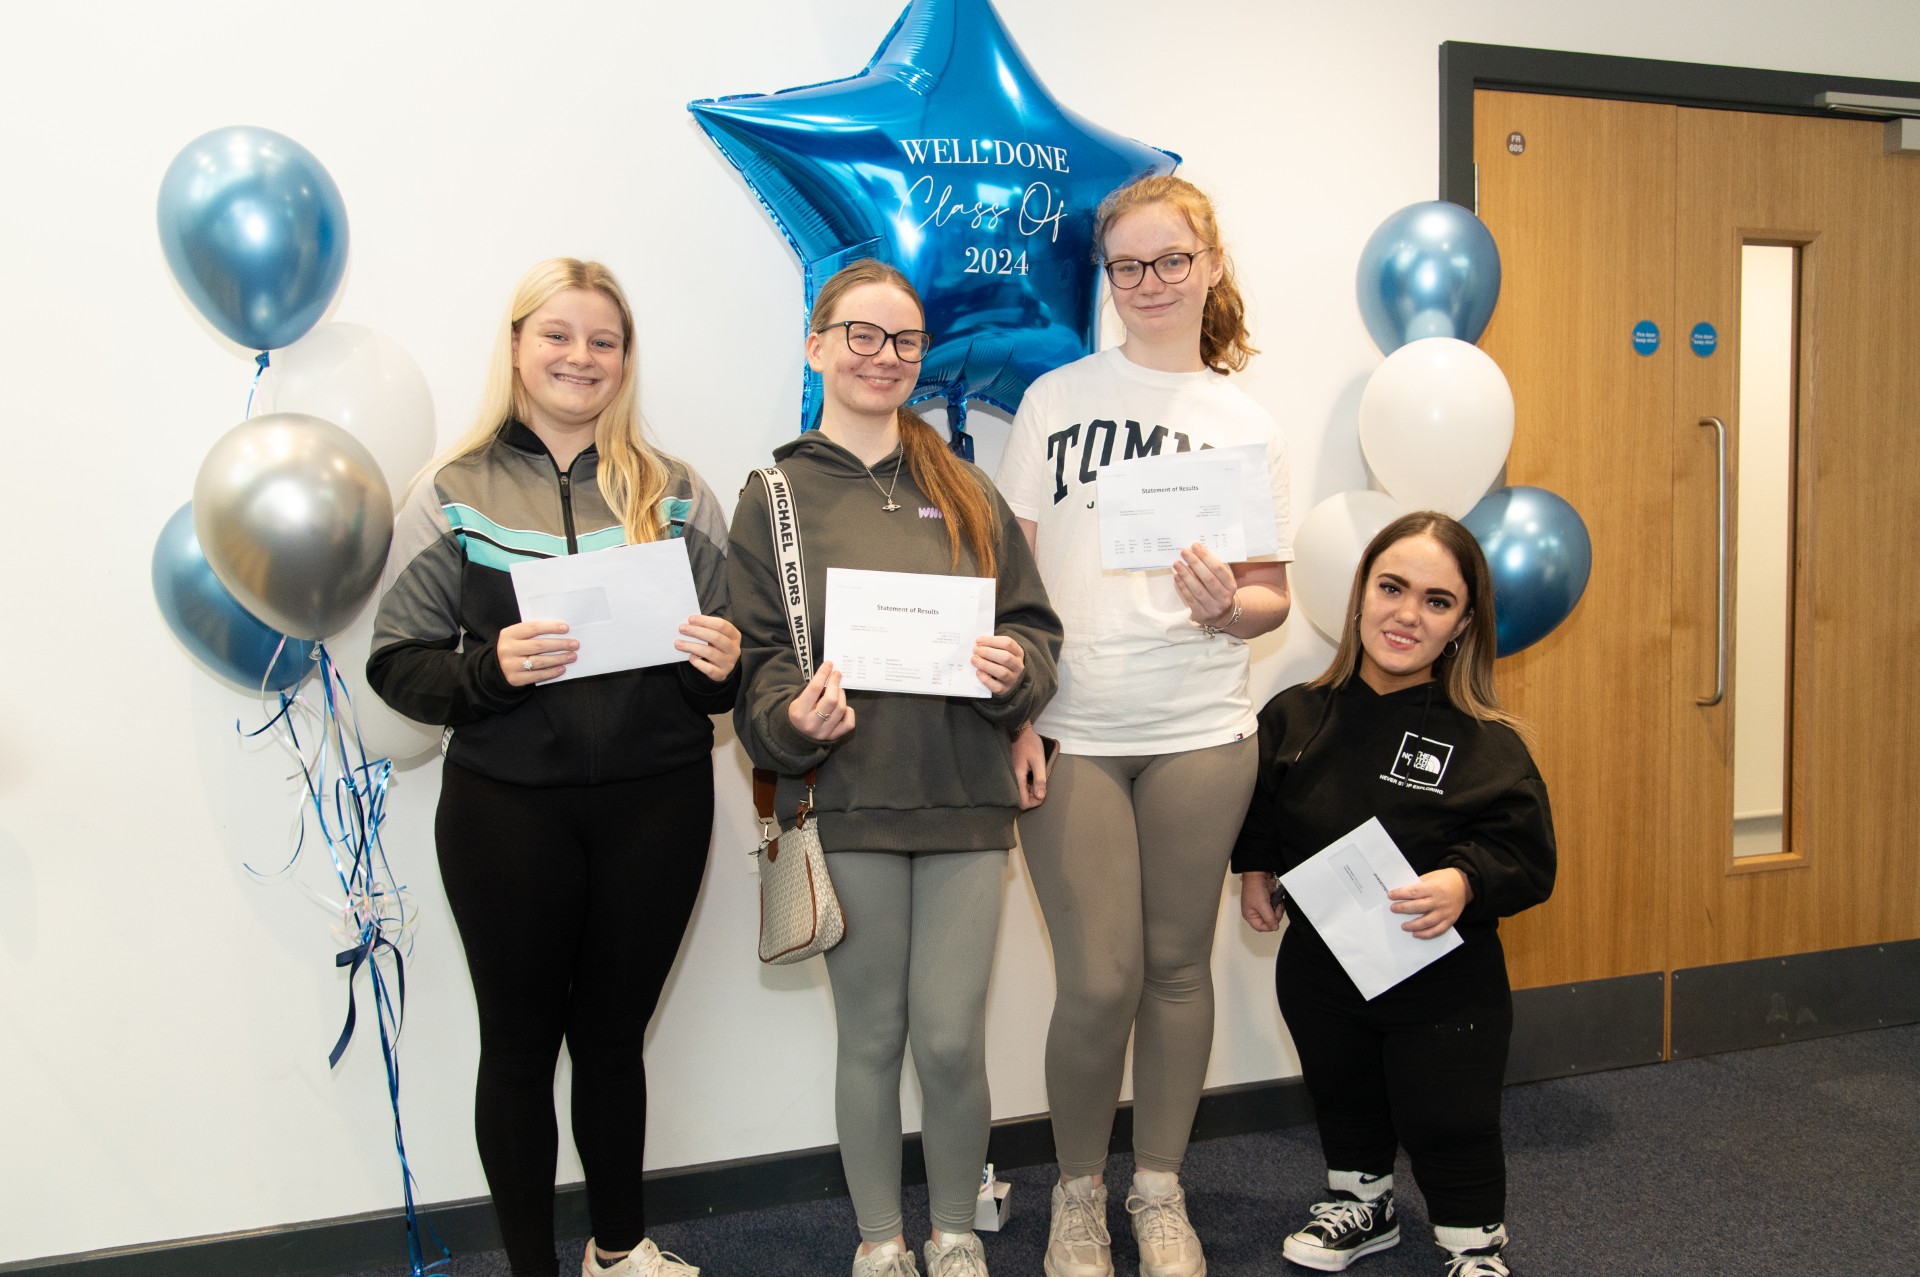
[[717, 649], [1438, 898], [1206, 585], [999, 661]]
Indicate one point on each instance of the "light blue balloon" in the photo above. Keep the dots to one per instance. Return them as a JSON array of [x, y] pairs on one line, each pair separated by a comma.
[[1540, 556], [209, 621], [1431, 270], [255, 233]]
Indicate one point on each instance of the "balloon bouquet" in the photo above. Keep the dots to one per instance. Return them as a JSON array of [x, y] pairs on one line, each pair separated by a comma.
[[1436, 420], [285, 539]]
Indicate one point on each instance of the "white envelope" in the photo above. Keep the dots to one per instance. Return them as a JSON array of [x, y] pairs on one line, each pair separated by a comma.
[[624, 604], [1151, 508], [1343, 891], [907, 631]]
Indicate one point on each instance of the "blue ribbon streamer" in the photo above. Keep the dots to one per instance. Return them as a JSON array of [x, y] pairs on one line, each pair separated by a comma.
[[260, 366], [957, 437], [350, 810]]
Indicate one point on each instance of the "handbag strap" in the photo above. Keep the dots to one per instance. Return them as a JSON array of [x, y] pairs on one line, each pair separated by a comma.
[[764, 783], [784, 523]]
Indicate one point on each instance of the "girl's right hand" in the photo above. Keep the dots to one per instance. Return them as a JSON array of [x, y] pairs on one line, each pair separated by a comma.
[[820, 712], [532, 651], [1257, 905]]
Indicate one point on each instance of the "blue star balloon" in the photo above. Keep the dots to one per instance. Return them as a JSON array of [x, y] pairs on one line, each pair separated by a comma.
[[947, 158]]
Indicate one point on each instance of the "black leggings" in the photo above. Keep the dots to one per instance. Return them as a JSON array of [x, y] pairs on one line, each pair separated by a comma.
[[571, 902], [1421, 1066]]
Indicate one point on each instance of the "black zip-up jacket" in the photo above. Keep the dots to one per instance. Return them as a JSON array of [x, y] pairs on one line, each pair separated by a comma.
[[1452, 790], [448, 595]]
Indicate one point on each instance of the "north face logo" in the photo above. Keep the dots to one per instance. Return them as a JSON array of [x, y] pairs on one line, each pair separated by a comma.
[[1420, 760]]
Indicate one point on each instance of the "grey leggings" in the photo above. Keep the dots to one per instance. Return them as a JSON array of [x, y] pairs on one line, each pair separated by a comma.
[[914, 967], [1127, 856]]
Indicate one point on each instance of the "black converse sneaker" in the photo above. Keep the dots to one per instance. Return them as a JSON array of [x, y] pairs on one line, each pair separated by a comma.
[[1472, 1252], [1349, 1226]]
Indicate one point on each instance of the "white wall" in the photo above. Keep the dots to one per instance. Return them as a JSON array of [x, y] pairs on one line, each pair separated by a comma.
[[163, 1018]]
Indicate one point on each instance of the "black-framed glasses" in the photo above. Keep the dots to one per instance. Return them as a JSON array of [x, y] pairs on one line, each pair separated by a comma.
[[911, 344], [1172, 268]]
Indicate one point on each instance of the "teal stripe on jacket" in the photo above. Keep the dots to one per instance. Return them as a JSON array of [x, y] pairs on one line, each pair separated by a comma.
[[492, 546]]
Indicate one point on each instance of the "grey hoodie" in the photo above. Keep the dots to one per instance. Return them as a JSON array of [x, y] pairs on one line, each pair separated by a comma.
[[917, 773]]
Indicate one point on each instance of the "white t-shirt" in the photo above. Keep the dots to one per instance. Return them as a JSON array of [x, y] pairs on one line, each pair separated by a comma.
[[1136, 675]]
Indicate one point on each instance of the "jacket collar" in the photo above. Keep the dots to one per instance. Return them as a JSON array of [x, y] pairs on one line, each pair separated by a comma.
[[519, 436]]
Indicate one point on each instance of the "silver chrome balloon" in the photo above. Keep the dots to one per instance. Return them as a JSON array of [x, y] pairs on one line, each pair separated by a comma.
[[295, 519]]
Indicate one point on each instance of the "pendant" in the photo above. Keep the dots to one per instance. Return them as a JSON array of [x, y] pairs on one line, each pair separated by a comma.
[[891, 505]]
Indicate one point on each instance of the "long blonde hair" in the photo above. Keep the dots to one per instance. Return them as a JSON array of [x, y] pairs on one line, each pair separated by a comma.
[[1225, 344], [936, 471], [632, 476], [1466, 673]]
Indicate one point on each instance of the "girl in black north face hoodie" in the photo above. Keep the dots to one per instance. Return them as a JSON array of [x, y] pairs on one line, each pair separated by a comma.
[[1403, 726]]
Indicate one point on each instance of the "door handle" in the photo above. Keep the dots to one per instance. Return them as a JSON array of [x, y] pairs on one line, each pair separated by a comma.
[[1720, 587]]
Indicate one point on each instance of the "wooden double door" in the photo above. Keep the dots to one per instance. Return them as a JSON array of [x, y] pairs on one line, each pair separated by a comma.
[[1610, 215]]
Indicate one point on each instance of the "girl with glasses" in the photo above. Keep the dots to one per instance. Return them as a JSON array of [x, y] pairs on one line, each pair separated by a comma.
[[914, 794], [1127, 837], [574, 815]]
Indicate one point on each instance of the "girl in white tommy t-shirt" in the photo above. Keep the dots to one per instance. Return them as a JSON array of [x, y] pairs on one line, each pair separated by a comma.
[[1127, 836]]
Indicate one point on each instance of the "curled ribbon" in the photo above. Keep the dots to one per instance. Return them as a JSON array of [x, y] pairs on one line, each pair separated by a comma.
[[344, 795]]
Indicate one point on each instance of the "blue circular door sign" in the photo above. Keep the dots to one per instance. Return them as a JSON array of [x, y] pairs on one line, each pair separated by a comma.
[[1646, 337], [1704, 339]]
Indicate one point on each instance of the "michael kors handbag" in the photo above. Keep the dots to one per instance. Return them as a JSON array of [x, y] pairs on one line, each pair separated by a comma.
[[799, 912]]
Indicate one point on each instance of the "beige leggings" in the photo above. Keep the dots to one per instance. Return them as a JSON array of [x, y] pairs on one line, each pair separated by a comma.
[[1127, 856]]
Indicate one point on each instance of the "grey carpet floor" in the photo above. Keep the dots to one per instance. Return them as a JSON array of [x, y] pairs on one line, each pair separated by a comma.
[[1798, 1159]]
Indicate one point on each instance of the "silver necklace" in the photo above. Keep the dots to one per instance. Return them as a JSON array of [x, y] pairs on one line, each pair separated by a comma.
[[887, 491]]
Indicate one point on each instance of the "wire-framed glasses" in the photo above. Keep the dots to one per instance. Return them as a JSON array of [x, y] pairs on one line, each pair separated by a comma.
[[1172, 268], [911, 344]]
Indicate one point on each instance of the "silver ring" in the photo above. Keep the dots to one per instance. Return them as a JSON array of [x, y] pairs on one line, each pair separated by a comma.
[[527, 665], [823, 713]]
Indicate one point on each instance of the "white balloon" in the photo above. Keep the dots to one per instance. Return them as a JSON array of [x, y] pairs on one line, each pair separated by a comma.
[[1436, 420], [367, 384], [1327, 548], [384, 733]]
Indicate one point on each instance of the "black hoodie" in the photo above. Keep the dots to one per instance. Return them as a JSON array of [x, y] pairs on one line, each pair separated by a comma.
[[1452, 790], [917, 773]]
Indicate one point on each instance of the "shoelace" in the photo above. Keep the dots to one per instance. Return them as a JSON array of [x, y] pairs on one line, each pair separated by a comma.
[[1080, 1223], [898, 1264], [1164, 1219], [668, 1264], [1332, 1218], [957, 1262], [1477, 1266]]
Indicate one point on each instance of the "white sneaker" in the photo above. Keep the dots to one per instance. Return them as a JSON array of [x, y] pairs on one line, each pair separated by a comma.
[[963, 1258], [1077, 1241], [1168, 1244], [885, 1261], [644, 1260]]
